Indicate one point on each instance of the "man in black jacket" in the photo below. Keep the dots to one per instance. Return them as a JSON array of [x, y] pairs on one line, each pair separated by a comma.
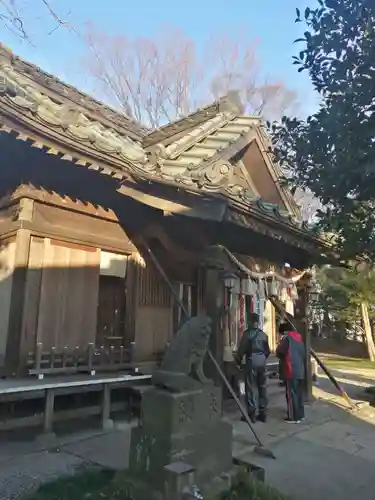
[[254, 346]]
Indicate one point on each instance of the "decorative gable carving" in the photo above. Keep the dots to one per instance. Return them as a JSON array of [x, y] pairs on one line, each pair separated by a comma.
[[240, 177], [262, 176]]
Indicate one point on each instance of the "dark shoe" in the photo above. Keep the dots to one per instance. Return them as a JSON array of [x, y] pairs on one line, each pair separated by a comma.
[[262, 418], [251, 417]]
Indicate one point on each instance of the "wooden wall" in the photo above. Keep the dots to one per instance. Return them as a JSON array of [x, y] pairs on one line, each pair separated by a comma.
[[154, 313], [63, 223], [61, 295], [61, 283], [7, 253]]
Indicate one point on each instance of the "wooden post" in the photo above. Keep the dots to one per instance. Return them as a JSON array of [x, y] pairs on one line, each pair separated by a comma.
[[131, 297], [301, 315], [106, 407], [21, 261], [368, 332], [213, 304], [38, 358], [90, 358], [49, 404]]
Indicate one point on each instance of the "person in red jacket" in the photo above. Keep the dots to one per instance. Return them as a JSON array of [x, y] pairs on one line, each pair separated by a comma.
[[291, 352]]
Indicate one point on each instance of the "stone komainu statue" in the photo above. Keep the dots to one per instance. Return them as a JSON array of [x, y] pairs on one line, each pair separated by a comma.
[[182, 365]]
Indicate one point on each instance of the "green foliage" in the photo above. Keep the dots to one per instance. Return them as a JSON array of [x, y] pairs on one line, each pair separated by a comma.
[[345, 289], [346, 363], [246, 487], [332, 152], [89, 485], [101, 485]]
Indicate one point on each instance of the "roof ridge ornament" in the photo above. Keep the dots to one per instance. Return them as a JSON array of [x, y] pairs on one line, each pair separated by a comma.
[[231, 103]]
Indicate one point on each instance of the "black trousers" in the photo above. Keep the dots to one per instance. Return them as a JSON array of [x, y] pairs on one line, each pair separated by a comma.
[[294, 392], [255, 382]]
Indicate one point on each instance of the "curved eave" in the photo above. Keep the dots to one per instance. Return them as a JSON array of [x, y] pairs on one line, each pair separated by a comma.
[[254, 218], [248, 215]]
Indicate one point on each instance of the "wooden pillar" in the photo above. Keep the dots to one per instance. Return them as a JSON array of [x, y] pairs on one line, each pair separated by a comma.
[[131, 291], [49, 406], [270, 324], [21, 260], [107, 423], [301, 315], [213, 305]]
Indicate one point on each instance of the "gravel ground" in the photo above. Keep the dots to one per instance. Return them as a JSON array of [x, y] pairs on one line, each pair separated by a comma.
[[24, 474], [26, 465]]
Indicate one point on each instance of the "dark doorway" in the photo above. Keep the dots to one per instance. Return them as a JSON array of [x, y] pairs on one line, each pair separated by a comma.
[[111, 311]]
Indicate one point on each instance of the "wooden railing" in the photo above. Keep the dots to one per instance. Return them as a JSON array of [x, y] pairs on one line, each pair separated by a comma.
[[89, 360]]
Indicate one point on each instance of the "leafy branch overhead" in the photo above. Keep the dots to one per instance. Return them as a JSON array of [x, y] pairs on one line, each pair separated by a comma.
[[332, 152], [344, 290]]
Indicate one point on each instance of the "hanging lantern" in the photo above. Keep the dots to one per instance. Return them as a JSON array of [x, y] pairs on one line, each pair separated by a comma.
[[229, 280], [314, 291]]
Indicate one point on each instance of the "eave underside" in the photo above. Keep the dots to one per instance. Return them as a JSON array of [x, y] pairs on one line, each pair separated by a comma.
[[248, 234]]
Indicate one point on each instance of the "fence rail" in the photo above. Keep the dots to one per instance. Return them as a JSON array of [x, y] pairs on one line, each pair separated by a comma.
[[88, 360]]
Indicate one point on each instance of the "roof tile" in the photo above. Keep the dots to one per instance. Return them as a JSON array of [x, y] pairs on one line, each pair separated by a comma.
[[195, 152], [70, 121]]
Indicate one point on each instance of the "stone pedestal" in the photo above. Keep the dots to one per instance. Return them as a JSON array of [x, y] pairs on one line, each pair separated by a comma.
[[175, 427]]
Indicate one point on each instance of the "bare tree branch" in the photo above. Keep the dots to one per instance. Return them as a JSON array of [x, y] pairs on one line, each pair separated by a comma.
[[155, 80], [14, 17]]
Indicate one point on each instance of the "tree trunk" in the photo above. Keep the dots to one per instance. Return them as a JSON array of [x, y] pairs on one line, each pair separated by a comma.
[[368, 333]]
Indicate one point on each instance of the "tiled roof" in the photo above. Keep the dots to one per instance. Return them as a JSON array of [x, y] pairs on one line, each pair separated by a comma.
[[64, 119], [169, 132], [60, 91], [195, 152], [201, 158]]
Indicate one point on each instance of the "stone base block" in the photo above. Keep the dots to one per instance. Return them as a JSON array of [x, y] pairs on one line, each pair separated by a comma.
[[180, 427], [208, 450], [164, 412]]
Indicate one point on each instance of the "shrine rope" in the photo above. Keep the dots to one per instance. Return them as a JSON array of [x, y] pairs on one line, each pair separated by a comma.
[[267, 274]]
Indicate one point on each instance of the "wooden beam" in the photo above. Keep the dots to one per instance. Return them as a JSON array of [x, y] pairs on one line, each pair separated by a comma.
[[131, 297], [15, 423], [106, 407], [49, 406], [52, 231], [213, 303], [51, 198], [13, 348], [26, 210], [199, 206], [9, 228], [301, 315]]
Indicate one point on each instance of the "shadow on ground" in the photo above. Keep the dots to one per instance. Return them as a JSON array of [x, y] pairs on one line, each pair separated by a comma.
[[330, 456]]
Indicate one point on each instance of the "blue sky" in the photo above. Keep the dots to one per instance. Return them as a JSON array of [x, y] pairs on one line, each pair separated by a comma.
[[270, 22]]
